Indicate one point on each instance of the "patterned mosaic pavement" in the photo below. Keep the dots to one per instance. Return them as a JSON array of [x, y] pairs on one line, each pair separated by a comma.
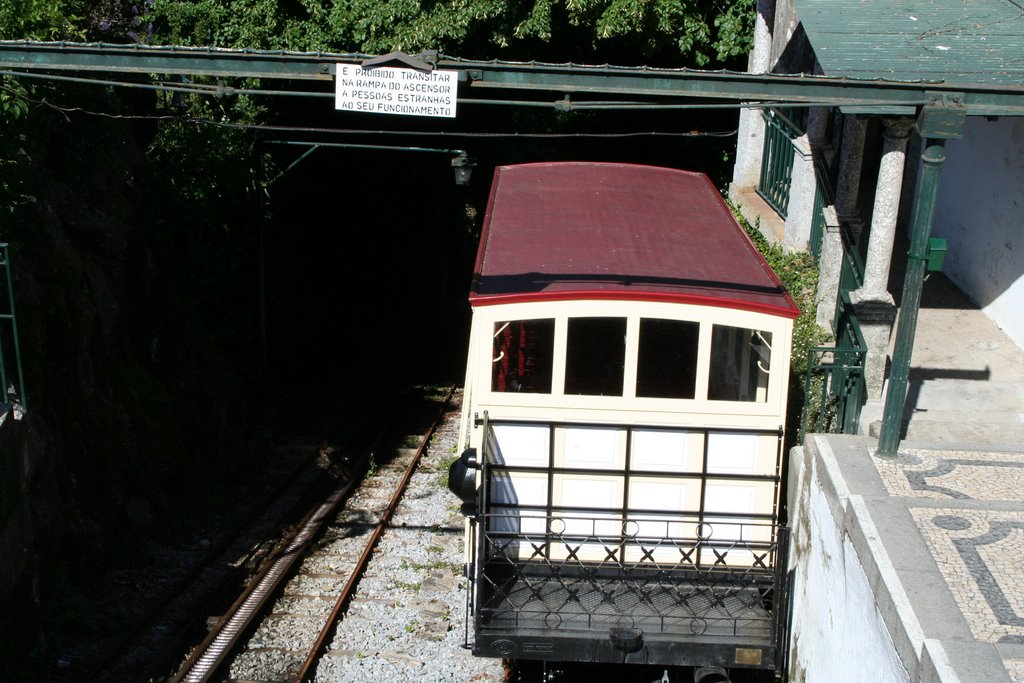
[[981, 555], [961, 475], [979, 551]]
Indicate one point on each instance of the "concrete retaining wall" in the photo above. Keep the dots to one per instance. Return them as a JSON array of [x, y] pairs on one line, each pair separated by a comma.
[[838, 630]]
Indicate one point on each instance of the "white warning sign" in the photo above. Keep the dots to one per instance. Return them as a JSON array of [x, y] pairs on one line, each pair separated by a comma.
[[389, 90]]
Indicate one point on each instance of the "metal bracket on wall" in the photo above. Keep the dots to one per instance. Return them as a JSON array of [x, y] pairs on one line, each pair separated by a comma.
[[943, 117]]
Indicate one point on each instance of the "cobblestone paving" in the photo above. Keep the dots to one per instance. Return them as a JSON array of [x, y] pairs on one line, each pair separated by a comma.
[[962, 475], [980, 552], [1015, 667], [981, 556]]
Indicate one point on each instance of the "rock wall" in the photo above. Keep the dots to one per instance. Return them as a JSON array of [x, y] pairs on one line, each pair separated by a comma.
[[131, 403]]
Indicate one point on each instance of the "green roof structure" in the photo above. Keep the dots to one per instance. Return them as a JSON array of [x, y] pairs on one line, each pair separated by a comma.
[[950, 41]]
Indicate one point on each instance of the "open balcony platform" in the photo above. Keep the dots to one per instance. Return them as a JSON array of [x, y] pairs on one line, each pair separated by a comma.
[[677, 603]]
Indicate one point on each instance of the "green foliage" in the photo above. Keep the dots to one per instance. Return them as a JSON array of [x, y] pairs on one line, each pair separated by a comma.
[[13, 99], [670, 32], [14, 110], [256, 24], [75, 20], [735, 30], [40, 20], [209, 162], [800, 278], [537, 23]]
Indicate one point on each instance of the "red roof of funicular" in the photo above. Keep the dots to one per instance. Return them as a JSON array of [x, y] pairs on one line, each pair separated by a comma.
[[582, 230]]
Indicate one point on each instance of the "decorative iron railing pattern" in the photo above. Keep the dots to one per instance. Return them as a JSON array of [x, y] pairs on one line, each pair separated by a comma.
[[834, 388], [704, 579], [12, 379], [570, 572], [777, 160]]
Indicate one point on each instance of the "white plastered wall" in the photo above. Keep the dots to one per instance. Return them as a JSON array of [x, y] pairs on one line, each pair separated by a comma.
[[838, 633], [980, 212]]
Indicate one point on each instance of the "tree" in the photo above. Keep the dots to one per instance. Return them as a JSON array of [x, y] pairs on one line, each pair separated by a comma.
[[39, 20], [652, 32], [114, 21]]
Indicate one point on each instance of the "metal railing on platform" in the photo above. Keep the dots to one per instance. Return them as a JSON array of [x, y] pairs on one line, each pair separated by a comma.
[[834, 388], [817, 225], [12, 378], [777, 160], [711, 577], [698, 578]]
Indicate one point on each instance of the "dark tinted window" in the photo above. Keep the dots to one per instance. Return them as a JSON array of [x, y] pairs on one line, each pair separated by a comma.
[[667, 364], [595, 356], [522, 356], [740, 363]]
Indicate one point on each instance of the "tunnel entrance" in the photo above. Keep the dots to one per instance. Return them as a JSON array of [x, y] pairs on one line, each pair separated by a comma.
[[366, 259]]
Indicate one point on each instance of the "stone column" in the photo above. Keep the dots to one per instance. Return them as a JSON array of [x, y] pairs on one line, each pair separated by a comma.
[[750, 133], [876, 318], [830, 263], [872, 303], [886, 209]]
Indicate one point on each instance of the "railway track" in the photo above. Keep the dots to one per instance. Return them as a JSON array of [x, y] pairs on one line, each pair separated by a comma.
[[220, 564], [165, 592], [283, 624]]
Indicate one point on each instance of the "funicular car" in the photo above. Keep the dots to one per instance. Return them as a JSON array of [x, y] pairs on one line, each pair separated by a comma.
[[622, 423]]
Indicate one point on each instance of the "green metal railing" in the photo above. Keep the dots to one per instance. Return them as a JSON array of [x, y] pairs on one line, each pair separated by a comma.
[[777, 160], [834, 389], [824, 195], [817, 225], [12, 379], [851, 275]]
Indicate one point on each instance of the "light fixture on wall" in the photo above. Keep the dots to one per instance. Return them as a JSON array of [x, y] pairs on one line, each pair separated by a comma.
[[463, 165]]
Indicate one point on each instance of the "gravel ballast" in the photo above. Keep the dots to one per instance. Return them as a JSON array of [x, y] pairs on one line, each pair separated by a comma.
[[407, 621]]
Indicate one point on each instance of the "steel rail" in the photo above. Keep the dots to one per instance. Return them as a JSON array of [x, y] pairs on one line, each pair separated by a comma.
[[213, 651], [308, 667], [111, 656], [221, 642]]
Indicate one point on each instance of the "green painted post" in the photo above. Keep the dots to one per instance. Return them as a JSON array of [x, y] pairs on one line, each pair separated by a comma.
[[933, 157]]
